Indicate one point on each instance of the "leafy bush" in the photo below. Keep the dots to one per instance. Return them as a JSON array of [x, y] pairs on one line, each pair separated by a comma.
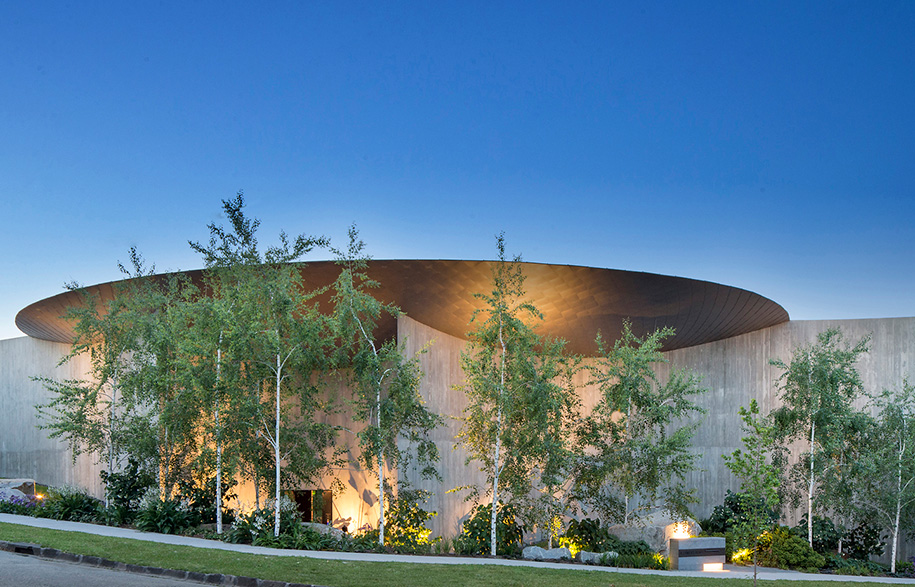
[[405, 522], [257, 527], [825, 534], [906, 568], [23, 506], [642, 560], [780, 548], [862, 542], [124, 491], [730, 514], [587, 535], [475, 537], [164, 516], [200, 496], [841, 566], [72, 504]]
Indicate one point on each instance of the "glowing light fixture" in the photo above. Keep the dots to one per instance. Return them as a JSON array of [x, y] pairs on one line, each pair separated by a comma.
[[713, 567], [681, 530]]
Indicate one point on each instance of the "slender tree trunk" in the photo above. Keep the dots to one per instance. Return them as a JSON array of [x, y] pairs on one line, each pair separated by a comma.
[[218, 440], [380, 467], [114, 395], [276, 446], [257, 490], [813, 427], [898, 502], [496, 471], [755, 555]]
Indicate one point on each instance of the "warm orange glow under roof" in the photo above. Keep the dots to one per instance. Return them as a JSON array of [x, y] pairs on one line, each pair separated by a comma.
[[576, 302]]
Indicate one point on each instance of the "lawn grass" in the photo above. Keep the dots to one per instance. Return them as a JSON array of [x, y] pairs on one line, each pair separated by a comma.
[[348, 573]]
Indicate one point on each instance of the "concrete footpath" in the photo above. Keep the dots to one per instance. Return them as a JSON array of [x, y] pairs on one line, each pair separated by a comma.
[[731, 571]]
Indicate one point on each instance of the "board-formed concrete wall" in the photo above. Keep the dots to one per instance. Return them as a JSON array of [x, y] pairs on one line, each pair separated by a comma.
[[25, 450], [736, 370]]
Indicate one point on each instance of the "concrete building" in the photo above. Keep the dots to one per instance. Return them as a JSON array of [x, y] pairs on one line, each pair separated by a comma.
[[725, 334]]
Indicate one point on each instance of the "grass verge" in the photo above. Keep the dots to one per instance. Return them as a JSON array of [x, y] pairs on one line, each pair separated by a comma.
[[347, 573]]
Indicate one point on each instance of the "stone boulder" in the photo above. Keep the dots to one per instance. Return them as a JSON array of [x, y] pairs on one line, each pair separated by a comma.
[[535, 553], [16, 488], [594, 558], [655, 530]]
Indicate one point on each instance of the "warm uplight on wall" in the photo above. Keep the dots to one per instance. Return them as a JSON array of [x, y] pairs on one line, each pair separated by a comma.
[[681, 530], [713, 567]]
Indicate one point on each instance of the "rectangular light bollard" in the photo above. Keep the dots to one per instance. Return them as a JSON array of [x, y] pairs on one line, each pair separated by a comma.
[[697, 554]]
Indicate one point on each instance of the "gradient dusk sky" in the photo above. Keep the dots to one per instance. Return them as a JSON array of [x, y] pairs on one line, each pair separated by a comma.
[[764, 145]]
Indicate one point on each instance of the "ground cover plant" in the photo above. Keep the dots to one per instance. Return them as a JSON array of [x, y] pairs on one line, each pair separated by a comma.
[[350, 573]]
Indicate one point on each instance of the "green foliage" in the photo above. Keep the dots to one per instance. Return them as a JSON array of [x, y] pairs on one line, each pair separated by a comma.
[[406, 522], [21, 506], [200, 497], [758, 476], [865, 568], [586, 534], [635, 449], [826, 535], [385, 381], [817, 389], [637, 560], [863, 541], [520, 400], [475, 536], [733, 511], [589, 535], [125, 489], [884, 484], [780, 548], [165, 516], [71, 504]]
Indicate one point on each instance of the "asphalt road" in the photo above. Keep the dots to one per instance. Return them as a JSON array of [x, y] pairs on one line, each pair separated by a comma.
[[19, 570]]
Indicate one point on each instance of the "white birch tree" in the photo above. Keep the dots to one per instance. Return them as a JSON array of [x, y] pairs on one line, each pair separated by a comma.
[[817, 388]]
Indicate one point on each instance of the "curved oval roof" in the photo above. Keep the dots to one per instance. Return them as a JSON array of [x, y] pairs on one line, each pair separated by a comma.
[[576, 302]]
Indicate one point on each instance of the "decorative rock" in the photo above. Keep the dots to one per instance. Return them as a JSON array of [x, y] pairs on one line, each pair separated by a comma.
[[594, 558], [536, 553], [655, 530], [16, 488]]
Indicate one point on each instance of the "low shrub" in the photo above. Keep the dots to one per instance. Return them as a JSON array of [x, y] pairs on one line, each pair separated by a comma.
[[405, 522], [200, 496], [124, 491], [22, 506], [642, 560], [163, 516], [826, 535], [475, 537], [730, 514], [780, 548], [257, 527], [586, 534], [841, 566], [71, 504], [862, 542]]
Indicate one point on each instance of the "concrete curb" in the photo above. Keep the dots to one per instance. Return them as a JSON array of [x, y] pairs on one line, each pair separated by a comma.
[[94, 561]]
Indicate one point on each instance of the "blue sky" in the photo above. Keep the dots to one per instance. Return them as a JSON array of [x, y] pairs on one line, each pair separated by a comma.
[[764, 145]]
